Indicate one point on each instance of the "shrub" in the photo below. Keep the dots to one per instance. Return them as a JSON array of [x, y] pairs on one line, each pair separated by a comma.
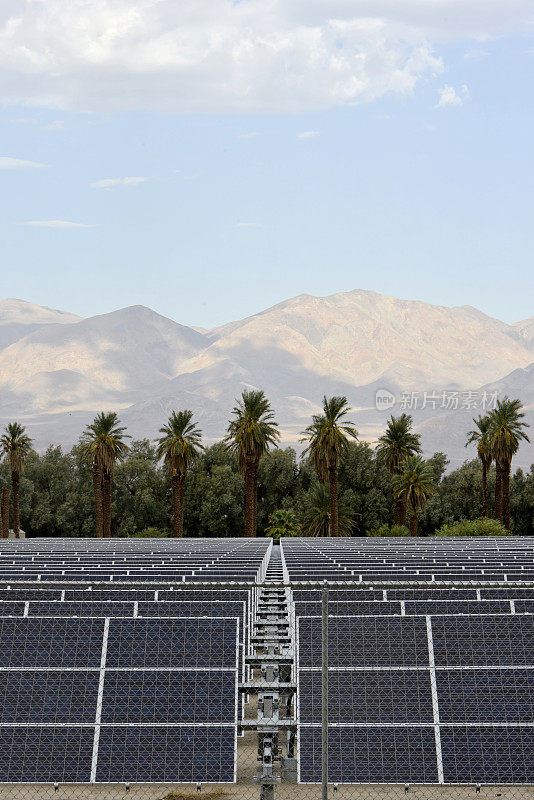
[[149, 533], [385, 530], [473, 527], [282, 523]]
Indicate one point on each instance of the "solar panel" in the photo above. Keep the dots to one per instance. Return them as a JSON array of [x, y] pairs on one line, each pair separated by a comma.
[[364, 641], [485, 695], [167, 754], [370, 755], [42, 696], [190, 642], [486, 754], [50, 642], [127, 683], [483, 641], [45, 754], [169, 697], [367, 697]]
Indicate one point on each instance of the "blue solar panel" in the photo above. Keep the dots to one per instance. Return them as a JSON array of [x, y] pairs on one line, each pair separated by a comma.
[[399, 697], [483, 640], [486, 695], [174, 643], [364, 641], [11, 609], [160, 754], [170, 697], [370, 755], [47, 754], [488, 754], [50, 642], [48, 697]]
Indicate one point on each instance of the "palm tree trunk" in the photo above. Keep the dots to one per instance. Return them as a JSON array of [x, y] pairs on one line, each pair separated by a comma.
[[15, 489], [106, 504], [5, 513], [175, 506], [399, 512], [249, 500], [498, 491], [413, 522], [484, 488], [97, 492], [180, 493], [255, 501], [506, 495], [332, 480]]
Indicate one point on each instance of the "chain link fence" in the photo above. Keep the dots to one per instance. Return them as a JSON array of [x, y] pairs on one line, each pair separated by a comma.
[[269, 690]]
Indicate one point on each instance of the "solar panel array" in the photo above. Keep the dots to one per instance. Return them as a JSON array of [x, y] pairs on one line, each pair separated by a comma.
[[414, 560], [133, 560], [426, 684], [115, 666], [102, 682]]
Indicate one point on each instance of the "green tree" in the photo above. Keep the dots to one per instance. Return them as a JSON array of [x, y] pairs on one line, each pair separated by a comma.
[[16, 446], [282, 523], [179, 446], [415, 484], [104, 445], [277, 484], [140, 493], [364, 485], [506, 433], [250, 435], [328, 440], [481, 437], [317, 517], [396, 444]]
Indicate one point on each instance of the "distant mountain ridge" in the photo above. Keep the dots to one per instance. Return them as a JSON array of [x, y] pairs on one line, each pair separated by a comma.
[[57, 369]]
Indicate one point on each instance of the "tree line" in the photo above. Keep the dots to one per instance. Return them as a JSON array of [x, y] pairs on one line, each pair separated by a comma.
[[247, 485]]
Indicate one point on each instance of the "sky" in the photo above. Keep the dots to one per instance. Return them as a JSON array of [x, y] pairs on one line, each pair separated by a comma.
[[211, 158]]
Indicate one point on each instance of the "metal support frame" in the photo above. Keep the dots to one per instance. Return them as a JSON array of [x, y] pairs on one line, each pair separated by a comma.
[[324, 694]]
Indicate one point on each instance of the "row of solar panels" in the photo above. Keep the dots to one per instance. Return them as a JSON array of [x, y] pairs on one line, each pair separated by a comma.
[[419, 700], [105, 700], [195, 608]]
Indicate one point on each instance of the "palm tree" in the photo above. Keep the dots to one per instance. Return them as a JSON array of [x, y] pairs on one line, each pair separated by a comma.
[[250, 435], [481, 435], [16, 445], [415, 485], [103, 443], [506, 433], [328, 441], [5, 512], [396, 444], [318, 519], [179, 446]]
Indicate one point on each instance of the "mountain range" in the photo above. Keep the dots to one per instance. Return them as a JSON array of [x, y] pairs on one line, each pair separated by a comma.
[[57, 369]]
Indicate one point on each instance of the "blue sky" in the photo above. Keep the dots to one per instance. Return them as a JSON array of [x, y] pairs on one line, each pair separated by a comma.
[[234, 203]]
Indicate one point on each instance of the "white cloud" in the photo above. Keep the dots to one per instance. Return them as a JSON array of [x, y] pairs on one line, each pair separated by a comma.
[[55, 223], [227, 56], [107, 183], [307, 134], [448, 97], [475, 54], [56, 125], [19, 163]]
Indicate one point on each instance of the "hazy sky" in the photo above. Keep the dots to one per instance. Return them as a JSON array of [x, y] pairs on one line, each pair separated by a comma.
[[211, 158]]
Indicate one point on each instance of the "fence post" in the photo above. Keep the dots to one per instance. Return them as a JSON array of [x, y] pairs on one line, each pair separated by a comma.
[[324, 695]]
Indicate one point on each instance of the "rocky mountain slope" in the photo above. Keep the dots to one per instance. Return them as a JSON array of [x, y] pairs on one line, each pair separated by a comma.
[[56, 369]]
